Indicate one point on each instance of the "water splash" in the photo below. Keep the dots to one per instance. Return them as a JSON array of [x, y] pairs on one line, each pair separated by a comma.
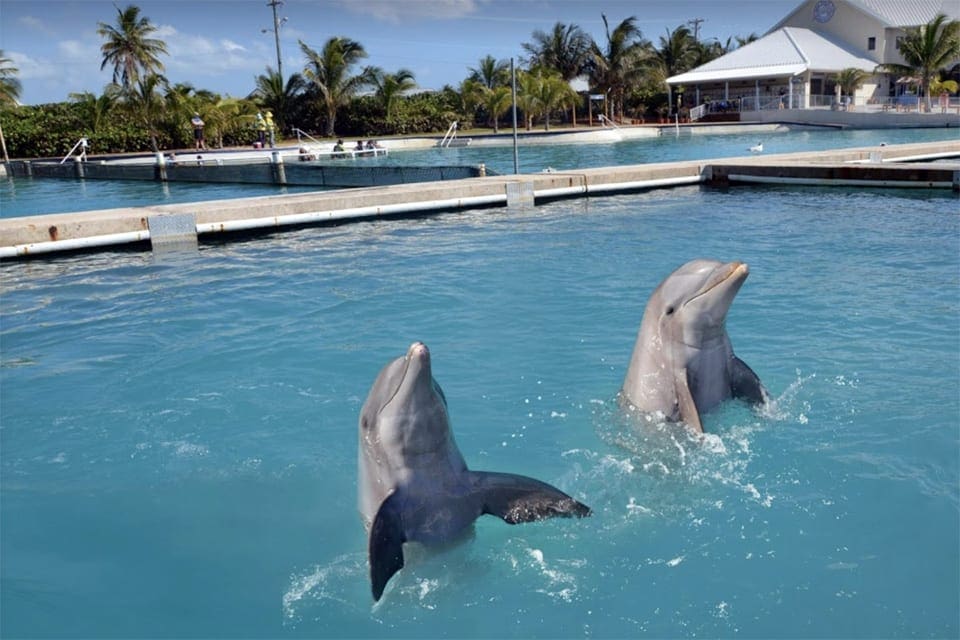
[[323, 583]]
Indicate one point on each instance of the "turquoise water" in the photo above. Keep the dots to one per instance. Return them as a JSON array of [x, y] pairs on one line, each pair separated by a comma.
[[179, 435], [23, 197], [35, 196]]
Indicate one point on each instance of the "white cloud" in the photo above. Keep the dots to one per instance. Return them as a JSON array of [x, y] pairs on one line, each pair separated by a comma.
[[231, 46], [35, 24], [28, 68], [406, 10]]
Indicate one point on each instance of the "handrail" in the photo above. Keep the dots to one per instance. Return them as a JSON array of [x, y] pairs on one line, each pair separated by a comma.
[[300, 132], [607, 121], [82, 142], [698, 112], [449, 135]]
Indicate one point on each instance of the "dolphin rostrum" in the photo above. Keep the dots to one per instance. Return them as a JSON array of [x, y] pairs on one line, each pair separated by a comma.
[[414, 485], [683, 363]]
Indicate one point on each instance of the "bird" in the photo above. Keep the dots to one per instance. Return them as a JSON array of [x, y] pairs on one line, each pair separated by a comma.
[[757, 148]]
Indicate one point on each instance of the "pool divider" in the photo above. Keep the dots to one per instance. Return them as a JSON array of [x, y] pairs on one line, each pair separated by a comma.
[[89, 230]]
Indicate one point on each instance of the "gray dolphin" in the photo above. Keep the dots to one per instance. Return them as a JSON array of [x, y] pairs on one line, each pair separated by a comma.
[[414, 485], [683, 363]]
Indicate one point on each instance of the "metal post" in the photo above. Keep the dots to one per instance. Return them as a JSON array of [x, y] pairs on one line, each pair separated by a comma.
[[161, 167], [279, 171], [513, 82], [273, 4]]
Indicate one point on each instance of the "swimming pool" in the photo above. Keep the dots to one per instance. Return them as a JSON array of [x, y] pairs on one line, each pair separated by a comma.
[[27, 196], [179, 435]]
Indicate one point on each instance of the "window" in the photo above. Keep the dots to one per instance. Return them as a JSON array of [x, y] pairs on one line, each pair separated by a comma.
[[871, 43], [899, 40]]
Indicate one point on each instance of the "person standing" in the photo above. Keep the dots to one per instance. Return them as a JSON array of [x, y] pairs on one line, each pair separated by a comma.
[[197, 123], [270, 129], [261, 129]]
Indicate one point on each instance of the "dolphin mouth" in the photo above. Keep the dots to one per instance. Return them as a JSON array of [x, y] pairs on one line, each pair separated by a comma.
[[733, 272], [416, 350]]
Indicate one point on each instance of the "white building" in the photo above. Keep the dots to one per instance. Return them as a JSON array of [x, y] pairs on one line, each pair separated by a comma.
[[795, 63]]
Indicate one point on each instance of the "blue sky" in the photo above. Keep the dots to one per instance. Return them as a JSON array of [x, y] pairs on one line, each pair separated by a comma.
[[219, 44]]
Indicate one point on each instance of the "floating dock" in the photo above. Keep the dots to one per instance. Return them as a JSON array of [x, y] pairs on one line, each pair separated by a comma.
[[282, 166], [922, 165]]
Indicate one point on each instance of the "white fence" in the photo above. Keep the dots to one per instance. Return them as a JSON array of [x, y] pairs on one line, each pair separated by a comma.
[[904, 103]]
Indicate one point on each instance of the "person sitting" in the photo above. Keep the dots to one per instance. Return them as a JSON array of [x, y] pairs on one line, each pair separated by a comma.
[[338, 149], [305, 155]]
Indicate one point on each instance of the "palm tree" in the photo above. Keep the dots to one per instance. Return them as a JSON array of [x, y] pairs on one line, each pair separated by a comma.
[[147, 103], [496, 102], [389, 86], [96, 109], [566, 49], [491, 73], [10, 86], [271, 93], [552, 93], [850, 79], [227, 115], [618, 65], [129, 47], [676, 54], [471, 94], [926, 50], [329, 72], [708, 50], [527, 97], [938, 86]]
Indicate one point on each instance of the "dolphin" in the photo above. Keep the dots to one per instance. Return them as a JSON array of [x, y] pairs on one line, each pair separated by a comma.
[[414, 485], [683, 363]]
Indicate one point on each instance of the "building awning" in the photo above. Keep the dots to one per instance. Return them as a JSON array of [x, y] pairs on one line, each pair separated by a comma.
[[773, 71]]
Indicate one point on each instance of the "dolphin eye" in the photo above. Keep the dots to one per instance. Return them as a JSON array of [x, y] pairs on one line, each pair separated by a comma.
[[670, 311]]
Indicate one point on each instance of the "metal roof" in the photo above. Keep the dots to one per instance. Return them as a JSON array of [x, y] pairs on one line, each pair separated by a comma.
[[908, 13], [787, 51]]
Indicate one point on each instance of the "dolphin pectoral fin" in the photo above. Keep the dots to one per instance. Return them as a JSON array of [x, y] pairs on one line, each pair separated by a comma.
[[516, 498], [686, 405], [386, 544], [745, 384]]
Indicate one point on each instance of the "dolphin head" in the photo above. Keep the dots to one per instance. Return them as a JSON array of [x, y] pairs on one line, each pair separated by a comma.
[[691, 304], [406, 411]]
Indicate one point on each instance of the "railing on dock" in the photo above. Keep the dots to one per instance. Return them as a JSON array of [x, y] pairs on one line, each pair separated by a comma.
[[82, 144], [607, 122], [450, 137]]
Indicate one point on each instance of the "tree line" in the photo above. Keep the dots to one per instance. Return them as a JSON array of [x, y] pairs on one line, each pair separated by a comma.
[[334, 95]]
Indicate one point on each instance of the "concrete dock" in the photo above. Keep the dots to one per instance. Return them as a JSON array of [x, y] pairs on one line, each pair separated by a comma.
[[910, 165]]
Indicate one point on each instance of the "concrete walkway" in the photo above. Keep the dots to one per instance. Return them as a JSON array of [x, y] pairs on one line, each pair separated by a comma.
[[89, 230]]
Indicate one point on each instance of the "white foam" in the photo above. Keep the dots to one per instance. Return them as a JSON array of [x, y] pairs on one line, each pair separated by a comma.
[[315, 583]]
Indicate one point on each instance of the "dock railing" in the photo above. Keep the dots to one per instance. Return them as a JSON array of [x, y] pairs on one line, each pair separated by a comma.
[[907, 103], [82, 144]]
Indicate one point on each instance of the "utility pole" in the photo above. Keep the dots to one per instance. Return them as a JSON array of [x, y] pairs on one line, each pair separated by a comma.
[[273, 4], [696, 27]]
